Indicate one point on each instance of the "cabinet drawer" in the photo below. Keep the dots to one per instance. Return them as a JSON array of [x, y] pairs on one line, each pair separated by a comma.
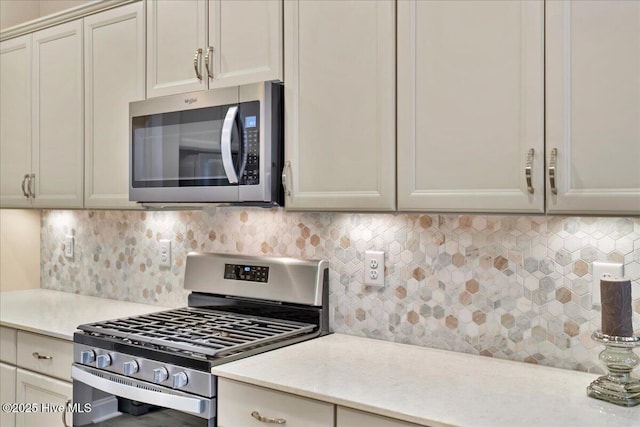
[[8, 345], [346, 417], [237, 401], [49, 356]]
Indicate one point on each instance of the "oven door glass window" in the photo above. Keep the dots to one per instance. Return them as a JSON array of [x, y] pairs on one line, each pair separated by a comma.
[[136, 414], [186, 148]]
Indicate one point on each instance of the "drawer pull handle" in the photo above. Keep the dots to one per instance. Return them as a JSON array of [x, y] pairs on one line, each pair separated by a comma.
[[257, 416], [41, 356]]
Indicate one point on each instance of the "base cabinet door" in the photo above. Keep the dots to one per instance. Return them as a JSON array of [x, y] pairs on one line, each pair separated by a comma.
[[346, 417], [49, 395], [339, 105], [241, 404], [470, 106], [114, 67], [7, 393], [593, 107]]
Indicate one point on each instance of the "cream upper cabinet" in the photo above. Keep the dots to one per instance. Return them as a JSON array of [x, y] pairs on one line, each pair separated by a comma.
[[114, 65], [340, 105], [15, 121], [57, 117], [176, 29], [198, 45], [470, 106], [593, 106], [245, 42]]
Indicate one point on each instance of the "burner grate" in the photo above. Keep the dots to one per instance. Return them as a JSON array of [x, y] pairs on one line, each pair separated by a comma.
[[207, 332]]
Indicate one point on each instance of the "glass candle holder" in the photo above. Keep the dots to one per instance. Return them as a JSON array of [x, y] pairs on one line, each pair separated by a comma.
[[618, 386]]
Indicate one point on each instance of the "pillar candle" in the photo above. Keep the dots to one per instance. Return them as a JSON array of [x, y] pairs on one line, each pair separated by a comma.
[[616, 307]]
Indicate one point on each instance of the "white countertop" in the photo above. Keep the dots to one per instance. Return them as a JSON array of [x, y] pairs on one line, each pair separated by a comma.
[[431, 387], [57, 314]]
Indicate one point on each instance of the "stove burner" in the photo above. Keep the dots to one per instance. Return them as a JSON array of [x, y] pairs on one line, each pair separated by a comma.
[[199, 331]]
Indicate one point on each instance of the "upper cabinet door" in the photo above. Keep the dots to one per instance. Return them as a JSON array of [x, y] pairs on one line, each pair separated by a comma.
[[15, 121], [245, 38], [57, 128], [114, 76], [176, 40], [470, 106], [593, 106], [340, 105]]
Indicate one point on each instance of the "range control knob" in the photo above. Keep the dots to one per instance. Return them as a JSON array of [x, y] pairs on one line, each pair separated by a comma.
[[130, 367], [160, 375], [180, 380], [87, 357], [103, 360]]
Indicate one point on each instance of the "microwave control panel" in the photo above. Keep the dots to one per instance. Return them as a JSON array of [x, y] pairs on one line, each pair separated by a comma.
[[250, 116]]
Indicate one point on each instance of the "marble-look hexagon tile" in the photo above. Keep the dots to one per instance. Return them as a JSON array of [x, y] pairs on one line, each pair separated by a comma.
[[509, 287]]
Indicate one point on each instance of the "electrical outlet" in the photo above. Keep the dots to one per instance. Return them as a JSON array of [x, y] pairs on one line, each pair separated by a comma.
[[68, 247], [614, 269], [374, 268], [165, 253]]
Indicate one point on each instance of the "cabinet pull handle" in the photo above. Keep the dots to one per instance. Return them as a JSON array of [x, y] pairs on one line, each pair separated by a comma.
[[527, 169], [67, 404], [262, 419], [285, 183], [209, 60], [553, 159], [32, 190], [41, 356], [196, 63], [24, 181]]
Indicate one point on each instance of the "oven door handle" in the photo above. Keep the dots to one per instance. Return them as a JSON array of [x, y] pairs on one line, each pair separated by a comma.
[[225, 144], [166, 400]]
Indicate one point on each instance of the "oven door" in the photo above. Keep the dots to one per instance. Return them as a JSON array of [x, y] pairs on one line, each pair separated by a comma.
[[110, 400]]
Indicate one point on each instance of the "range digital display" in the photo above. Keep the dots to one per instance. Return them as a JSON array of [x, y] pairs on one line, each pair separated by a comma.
[[247, 273]]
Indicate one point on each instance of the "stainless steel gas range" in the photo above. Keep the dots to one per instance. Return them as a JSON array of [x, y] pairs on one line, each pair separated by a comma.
[[155, 369]]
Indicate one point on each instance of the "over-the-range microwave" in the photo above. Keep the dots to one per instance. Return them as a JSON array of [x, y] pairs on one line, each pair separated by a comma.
[[222, 146]]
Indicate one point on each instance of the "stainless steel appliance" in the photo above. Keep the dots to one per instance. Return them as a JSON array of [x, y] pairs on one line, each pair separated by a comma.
[[155, 369], [219, 146]]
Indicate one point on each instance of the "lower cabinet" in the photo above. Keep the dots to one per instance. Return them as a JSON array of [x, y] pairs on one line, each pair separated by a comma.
[[346, 417], [241, 404], [29, 364], [47, 397], [7, 393]]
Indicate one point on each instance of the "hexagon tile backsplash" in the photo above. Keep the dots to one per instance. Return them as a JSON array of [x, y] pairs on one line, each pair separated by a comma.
[[512, 287]]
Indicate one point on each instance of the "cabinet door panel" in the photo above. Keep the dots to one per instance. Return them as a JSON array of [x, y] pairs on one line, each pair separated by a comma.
[[58, 116], [114, 76], [470, 105], [38, 389], [340, 104], [246, 37], [175, 30], [15, 120], [593, 105], [7, 393]]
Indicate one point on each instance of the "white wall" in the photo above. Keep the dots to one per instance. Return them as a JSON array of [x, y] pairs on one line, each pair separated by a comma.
[[19, 248], [14, 12]]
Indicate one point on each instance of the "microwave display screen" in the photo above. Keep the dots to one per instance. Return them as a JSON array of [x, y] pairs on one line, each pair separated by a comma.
[[250, 122]]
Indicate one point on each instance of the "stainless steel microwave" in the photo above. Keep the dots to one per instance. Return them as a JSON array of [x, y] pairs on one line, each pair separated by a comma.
[[220, 146]]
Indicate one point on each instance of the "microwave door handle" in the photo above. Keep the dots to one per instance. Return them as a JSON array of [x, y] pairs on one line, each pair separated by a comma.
[[225, 144]]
